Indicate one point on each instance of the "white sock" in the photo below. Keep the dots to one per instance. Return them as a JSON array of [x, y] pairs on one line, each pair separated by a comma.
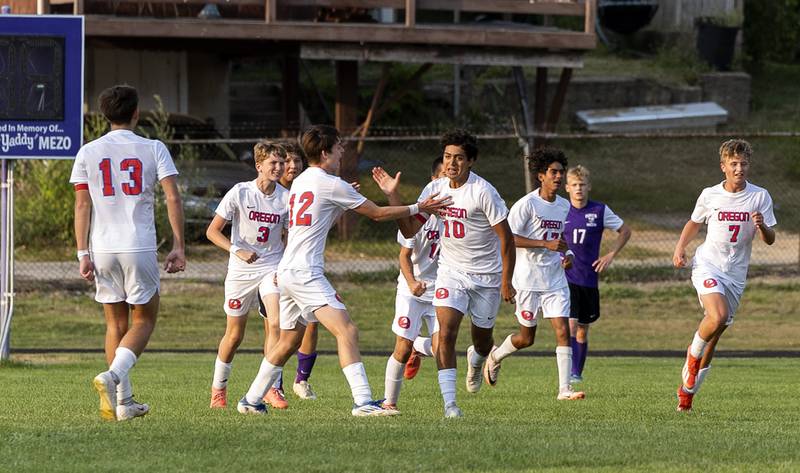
[[423, 345], [222, 371], [393, 381], [447, 384], [564, 363], [701, 376], [124, 391], [698, 346], [506, 348], [476, 359], [124, 359], [357, 379], [267, 374]]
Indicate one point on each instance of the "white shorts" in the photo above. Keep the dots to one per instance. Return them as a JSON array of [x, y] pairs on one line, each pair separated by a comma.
[[129, 277], [707, 281], [550, 304], [242, 291], [303, 292], [468, 294], [409, 313]]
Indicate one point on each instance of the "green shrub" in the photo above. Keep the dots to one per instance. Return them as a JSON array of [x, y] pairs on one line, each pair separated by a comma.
[[770, 32]]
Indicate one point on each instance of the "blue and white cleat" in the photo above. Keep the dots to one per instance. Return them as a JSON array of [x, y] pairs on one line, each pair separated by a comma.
[[105, 384], [245, 407], [373, 409], [452, 411]]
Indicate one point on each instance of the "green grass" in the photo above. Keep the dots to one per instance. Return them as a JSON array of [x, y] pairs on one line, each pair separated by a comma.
[[627, 423], [635, 316]]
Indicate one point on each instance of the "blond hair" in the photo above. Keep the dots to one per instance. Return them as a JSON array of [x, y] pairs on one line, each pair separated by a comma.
[[579, 172], [735, 147], [263, 149]]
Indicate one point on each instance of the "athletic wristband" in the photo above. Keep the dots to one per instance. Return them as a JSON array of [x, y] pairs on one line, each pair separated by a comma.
[[233, 249], [82, 253], [413, 209], [569, 253]]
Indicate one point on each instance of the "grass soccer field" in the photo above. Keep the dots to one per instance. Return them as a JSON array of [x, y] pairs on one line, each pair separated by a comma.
[[746, 418]]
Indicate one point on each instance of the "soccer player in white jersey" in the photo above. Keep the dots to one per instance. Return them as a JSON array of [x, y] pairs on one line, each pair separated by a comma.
[[258, 211], [414, 302], [735, 212], [475, 263], [537, 221], [316, 199], [115, 178]]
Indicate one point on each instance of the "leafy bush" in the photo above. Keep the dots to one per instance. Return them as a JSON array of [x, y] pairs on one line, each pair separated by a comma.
[[770, 31]]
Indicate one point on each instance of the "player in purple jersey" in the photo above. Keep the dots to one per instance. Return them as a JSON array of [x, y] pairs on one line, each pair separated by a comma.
[[583, 231]]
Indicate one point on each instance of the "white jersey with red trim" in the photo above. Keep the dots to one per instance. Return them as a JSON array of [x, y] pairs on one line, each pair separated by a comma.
[[424, 248], [316, 200], [538, 269], [257, 221], [729, 239], [469, 243], [121, 170]]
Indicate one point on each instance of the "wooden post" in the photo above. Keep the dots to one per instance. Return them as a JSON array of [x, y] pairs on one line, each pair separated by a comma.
[[346, 114], [589, 17], [270, 6], [42, 7], [77, 7], [290, 95], [411, 13], [540, 105], [558, 100], [376, 99], [527, 123]]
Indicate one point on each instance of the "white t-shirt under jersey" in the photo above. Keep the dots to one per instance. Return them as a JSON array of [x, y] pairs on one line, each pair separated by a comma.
[[729, 238], [121, 170], [469, 243], [257, 221], [538, 269], [316, 200], [424, 248]]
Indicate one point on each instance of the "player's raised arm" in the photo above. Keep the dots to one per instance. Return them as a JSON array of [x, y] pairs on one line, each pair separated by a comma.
[[690, 231], [409, 225], [508, 252], [623, 235], [83, 216], [176, 259]]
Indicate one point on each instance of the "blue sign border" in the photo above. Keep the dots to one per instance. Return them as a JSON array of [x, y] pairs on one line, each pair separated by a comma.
[[58, 132]]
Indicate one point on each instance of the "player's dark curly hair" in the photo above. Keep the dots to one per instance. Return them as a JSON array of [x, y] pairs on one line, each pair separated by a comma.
[[119, 103], [542, 158], [462, 139]]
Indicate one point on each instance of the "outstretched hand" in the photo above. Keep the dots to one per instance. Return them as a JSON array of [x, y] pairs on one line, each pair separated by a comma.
[[387, 184], [431, 204]]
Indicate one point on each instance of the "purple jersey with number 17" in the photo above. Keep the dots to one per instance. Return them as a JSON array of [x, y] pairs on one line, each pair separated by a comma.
[[583, 231]]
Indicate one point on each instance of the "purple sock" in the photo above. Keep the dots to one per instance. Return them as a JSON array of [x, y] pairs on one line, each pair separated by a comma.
[[583, 348], [576, 355], [305, 363]]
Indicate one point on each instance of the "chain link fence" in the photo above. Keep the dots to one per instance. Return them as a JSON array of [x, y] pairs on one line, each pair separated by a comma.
[[652, 183]]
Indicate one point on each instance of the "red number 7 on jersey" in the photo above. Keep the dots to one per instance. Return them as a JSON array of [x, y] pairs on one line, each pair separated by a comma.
[[735, 229]]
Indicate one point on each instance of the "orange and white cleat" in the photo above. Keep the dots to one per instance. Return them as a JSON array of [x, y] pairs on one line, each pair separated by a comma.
[[219, 398], [412, 365], [276, 399], [690, 369], [390, 408], [684, 400], [570, 395]]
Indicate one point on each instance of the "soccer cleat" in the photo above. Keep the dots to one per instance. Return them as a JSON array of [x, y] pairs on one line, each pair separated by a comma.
[[491, 369], [474, 373], [245, 407], [690, 369], [570, 395], [130, 410], [390, 407], [452, 411], [684, 400], [106, 387], [372, 409], [275, 398], [219, 398], [412, 365], [304, 391], [575, 379]]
